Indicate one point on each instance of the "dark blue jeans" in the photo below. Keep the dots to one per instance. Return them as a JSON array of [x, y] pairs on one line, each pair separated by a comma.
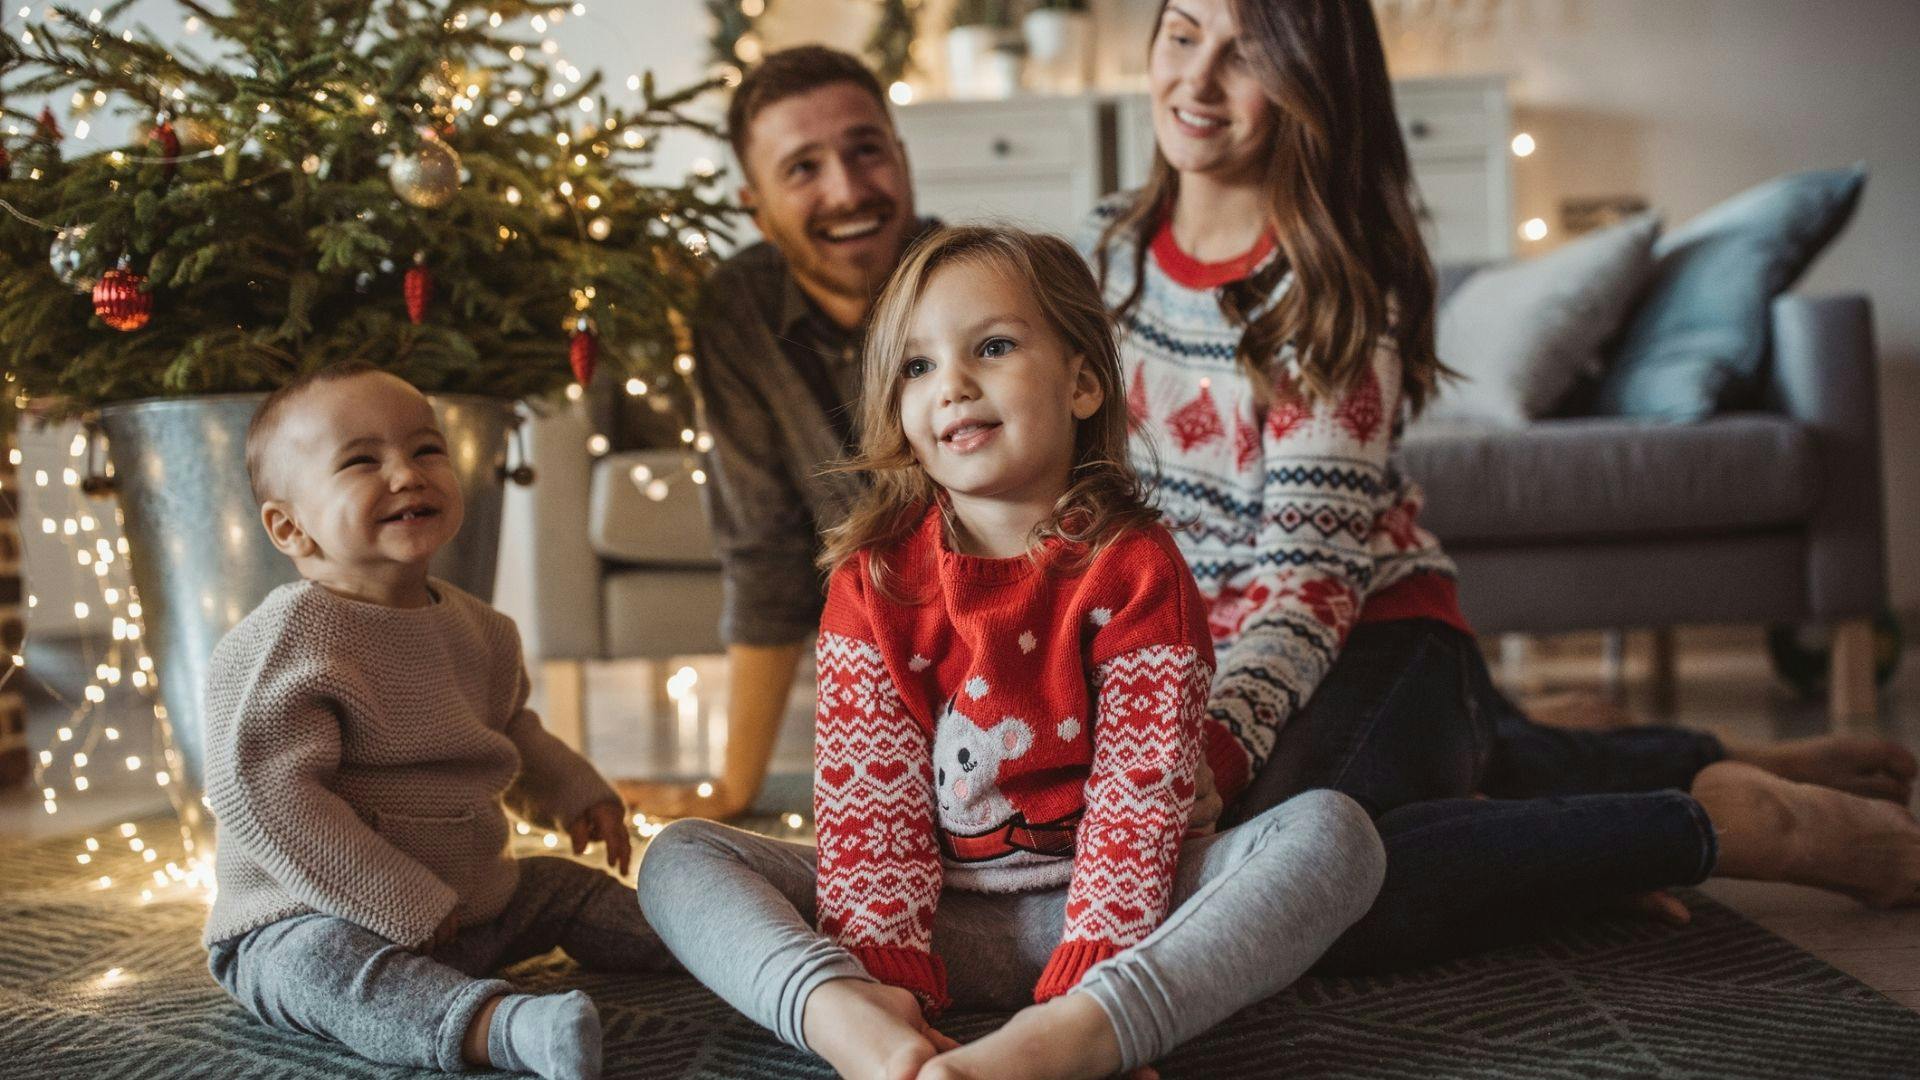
[[1409, 723]]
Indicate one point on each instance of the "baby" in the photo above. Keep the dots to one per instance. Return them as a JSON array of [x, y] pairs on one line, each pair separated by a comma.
[[364, 726]]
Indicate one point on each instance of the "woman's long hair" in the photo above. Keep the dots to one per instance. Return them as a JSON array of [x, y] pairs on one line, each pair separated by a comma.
[[1103, 497], [1340, 204]]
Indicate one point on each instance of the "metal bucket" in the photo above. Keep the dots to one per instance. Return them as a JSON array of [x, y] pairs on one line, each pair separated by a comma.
[[200, 558]]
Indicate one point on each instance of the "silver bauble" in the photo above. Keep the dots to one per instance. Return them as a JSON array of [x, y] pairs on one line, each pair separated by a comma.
[[428, 176], [65, 256]]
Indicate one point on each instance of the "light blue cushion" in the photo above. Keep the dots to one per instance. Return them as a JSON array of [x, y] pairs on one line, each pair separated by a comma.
[[1699, 339]]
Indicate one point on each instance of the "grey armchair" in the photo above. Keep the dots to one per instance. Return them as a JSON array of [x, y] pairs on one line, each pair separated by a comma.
[[618, 575]]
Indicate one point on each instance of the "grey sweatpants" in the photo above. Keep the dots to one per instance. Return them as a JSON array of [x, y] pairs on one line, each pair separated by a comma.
[[1253, 908], [326, 976]]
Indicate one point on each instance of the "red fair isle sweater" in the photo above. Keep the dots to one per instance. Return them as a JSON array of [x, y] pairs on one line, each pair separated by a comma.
[[1011, 724]]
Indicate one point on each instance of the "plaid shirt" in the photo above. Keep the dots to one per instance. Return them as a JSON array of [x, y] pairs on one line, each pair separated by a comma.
[[778, 383]]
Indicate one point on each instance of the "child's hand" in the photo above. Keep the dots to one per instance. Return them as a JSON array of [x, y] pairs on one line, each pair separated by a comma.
[[607, 823], [1206, 802]]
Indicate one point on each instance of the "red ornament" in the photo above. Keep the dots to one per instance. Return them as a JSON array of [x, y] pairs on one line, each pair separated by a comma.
[[169, 142], [49, 125], [122, 301], [418, 288], [583, 350], [6, 163]]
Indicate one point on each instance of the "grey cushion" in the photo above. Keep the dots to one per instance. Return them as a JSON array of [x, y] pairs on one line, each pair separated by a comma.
[[1598, 477], [1522, 335], [1699, 340], [626, 526], [655, 614]]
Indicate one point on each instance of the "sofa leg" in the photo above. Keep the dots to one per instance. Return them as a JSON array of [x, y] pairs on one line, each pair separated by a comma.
[[566, 715], [1665, 681], [1851, 693]]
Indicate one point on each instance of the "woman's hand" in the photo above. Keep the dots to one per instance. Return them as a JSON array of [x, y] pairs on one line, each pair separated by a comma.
[[607, 823]]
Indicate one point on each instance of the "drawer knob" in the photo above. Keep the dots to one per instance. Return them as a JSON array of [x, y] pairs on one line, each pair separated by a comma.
[[1419, 129], [1002, 146]]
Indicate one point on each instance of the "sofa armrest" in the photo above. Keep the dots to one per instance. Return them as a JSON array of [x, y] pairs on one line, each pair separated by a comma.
[[1826, 376], [566, 589]]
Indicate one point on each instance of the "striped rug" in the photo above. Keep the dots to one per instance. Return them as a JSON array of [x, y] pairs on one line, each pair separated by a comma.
[[97, 983]]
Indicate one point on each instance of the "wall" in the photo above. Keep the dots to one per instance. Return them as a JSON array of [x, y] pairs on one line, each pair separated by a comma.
[[1685, 102]]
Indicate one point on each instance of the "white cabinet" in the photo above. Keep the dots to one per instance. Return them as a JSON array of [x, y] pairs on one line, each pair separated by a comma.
[[1042, 162], [1457, 131], [1037, 162]]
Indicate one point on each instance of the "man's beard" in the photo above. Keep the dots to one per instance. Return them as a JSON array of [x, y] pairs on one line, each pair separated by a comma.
[[811, 262]]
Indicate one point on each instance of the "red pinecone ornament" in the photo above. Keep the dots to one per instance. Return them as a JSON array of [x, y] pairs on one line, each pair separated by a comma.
[[583, 351], [418, 288], [49, 125], [122, 301], [166, 141]]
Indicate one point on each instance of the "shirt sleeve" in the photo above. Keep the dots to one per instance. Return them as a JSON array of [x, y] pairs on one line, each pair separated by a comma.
[[1146, 751], [1325, 464], [556, 785], [270, 792], [873, 800], [762, 530]]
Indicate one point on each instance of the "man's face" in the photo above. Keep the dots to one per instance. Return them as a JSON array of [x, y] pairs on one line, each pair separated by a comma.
[[827, 183]]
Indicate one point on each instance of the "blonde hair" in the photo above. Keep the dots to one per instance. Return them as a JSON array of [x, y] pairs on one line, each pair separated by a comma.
[[1103, 497]]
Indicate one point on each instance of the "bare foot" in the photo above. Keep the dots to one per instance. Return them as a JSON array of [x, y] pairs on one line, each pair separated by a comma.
[[1068, 1038], [1861, 764], [1658, 906], [1774, 829], [1580, 710], [678, 799], [869, 1031]]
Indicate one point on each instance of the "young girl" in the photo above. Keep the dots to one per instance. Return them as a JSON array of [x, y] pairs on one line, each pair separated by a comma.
[[1013, 665]]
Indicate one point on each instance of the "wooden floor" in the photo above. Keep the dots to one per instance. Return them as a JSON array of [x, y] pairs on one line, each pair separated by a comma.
[[642, 721]]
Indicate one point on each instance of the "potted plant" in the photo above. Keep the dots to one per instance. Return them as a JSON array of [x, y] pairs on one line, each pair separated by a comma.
[[403, 182], [977, 42], [1059, 37]]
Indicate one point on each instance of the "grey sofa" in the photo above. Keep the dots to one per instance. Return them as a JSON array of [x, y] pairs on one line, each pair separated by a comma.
[[1765, 516], [1569, 524]]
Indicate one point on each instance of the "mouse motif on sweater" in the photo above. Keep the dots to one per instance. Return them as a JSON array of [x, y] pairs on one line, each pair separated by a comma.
[[966, 769]]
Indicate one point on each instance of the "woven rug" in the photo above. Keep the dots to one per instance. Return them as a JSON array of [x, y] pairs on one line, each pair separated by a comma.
[[97, 983]]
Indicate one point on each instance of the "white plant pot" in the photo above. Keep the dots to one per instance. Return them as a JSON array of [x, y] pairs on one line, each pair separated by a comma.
[[976, 67], [1059, 50]]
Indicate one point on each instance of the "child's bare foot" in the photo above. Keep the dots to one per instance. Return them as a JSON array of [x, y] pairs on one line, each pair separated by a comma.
[[1068, 1038], [869, 1031], [710, 799], [1861, 764], [1774, 829]]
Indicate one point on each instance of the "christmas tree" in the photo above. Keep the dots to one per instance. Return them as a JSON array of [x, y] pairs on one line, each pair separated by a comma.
[[423, 186]]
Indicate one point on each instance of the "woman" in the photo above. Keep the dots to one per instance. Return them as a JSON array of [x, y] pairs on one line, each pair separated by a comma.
[[1276, 309]]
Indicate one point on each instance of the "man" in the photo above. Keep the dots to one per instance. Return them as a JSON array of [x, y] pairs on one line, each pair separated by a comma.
[[777, 339]]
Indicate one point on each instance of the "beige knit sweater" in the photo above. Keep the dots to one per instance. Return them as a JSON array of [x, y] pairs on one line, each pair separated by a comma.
[[357, 758]]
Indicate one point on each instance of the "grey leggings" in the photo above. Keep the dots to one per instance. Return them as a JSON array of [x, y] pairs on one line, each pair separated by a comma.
[[1254, 907], [328, 977]]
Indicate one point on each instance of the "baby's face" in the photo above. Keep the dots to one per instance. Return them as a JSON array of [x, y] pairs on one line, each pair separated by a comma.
[[366, 474]]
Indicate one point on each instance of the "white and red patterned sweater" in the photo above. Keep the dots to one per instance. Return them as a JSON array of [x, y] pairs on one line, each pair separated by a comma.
[[1303, 526], [1009, 724]]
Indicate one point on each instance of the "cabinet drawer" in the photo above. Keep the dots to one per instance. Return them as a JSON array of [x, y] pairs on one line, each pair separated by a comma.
[[950, 138], [1450, 121]]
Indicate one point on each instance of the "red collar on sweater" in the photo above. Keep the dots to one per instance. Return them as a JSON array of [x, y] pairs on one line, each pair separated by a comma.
[[1194, 274]]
